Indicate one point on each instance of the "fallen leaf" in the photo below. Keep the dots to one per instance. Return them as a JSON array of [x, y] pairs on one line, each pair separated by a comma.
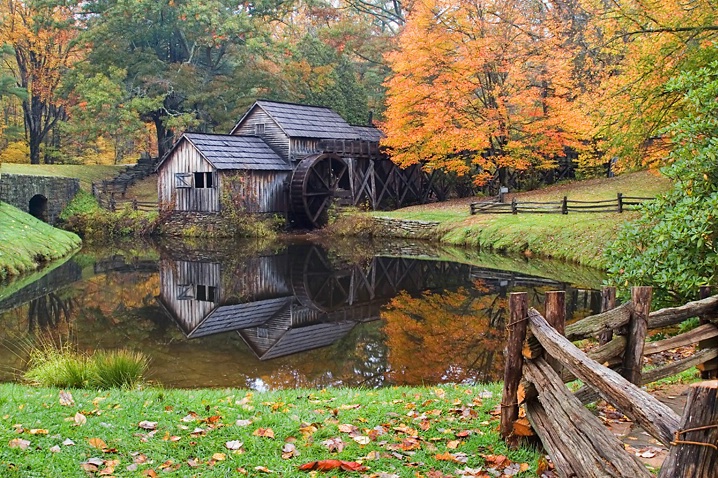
[[147, 425], [193, 463], [362, 439], [192, 416], [233, 445], [522, 428], [347, 428], [66, 399], [19, 443], [328, 465], [150, 473], [334, 444], [80, 419], [289, 451], [98, 443], [219, 457], [38, 431], [453, 444], [68, 442], [263, 469], [243, 423], [55, 449], [264, 432]]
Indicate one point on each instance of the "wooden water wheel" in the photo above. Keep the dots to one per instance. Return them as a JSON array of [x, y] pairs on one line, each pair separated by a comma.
[[317, 180]]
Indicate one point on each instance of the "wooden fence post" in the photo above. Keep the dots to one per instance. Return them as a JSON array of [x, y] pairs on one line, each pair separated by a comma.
[[514, 206], [694, 453], [709, 369], [608, 302], [513, 369], [564, 205], [637, 329], [619, 196], [556, 317]]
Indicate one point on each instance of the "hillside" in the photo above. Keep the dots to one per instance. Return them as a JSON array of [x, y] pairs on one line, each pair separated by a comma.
[[27, 243]]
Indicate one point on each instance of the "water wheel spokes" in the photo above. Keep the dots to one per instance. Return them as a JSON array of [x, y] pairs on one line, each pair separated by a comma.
[[315, 183]]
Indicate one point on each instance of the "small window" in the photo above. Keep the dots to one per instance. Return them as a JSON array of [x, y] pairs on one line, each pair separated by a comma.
[[259, 129], [183, 180], [262, 333], [205, 293], [203, 180]]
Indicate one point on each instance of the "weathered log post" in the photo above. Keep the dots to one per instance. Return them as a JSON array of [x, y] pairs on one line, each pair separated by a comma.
[[608, 302], [513, 369], [637, 330], [694, 450], [709, 369], [514, 206], [619, 200], [556, 317], [564, 205]]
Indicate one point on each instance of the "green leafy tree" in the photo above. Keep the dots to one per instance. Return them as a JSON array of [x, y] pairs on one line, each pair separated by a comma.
[[673, 245]]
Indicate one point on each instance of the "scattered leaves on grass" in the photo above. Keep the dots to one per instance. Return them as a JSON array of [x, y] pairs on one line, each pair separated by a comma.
[[329, 465], [19, 443], [264, 432], [80, 419], [66, 399], [233, 445], [243, 423], [147, 425], [289, 450], [98, 443], [334, 444]]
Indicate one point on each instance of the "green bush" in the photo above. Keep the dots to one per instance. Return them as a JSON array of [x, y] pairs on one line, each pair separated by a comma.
[[117, 368]]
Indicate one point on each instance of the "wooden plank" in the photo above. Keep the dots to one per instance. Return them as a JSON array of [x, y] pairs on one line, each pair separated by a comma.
[[703, 332], [709, 370], [595, 324], [694, 452], [679, 366], [516, 330], [655, 417], [582, 445], [675, 315], [637, 330], [608, 302]]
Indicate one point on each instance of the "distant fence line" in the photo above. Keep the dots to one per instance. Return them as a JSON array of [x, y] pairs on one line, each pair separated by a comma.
[[565, 206], [113, 204]]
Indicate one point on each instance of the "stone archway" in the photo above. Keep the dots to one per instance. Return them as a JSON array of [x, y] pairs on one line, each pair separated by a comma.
[[38, 207]]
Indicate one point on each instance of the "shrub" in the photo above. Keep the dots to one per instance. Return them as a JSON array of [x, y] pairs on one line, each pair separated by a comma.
[[117, 368]]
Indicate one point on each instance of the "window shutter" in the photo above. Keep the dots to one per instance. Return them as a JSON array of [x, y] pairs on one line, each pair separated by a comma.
[[183, 180]]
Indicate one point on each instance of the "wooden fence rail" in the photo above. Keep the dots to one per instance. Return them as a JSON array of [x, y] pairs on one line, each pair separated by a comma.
[[565, 206], [540, 359], [114, 204]]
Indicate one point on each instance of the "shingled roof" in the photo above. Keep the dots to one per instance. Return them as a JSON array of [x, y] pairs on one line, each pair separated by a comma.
[[303, 121], [237, 152]]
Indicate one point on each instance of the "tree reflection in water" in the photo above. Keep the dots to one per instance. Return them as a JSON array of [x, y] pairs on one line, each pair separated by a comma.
[[49, 311]]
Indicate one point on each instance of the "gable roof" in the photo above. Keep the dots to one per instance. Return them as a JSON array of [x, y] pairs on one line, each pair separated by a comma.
[[225, 151], [304, 121]]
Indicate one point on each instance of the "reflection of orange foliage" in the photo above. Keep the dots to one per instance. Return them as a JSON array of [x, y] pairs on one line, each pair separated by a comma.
[[120, 291], [443, 337]]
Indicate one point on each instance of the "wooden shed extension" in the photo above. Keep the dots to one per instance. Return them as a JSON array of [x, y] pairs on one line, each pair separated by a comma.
[[196, 169]]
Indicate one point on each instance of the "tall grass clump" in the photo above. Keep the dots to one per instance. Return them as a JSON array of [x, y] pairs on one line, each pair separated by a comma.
[[117, 368], [61, 366]]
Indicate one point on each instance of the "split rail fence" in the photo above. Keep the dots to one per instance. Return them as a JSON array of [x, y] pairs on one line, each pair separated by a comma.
[[620, 204], [540, 359]]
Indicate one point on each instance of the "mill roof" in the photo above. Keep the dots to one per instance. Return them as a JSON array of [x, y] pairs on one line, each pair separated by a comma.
[[233, 152], [304, 121]]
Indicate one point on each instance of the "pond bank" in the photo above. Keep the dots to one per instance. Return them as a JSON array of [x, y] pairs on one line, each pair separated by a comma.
[[395, 432], [26, 243], [576, 237]]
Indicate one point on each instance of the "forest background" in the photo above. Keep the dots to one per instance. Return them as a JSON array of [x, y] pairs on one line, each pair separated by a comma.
[[466, 85]]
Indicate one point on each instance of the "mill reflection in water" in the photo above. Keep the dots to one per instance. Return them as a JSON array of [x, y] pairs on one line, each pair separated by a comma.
[[294, 315]]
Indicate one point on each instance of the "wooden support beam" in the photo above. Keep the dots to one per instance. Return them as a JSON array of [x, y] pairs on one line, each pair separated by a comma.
[[608, 302], [709, 369], [578, 443], [694, 450], [596, 324], [516, 330], [637, 330], [678, 366], [655, 417], [556, 317], [676, 315]]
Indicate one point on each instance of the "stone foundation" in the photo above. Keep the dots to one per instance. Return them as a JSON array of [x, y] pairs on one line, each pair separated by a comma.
[[193, 224], [406, 228], [19, 189]]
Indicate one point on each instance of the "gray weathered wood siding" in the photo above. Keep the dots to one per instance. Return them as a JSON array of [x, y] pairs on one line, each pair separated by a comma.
[[302, 147], [261, 191], [273, 134], [187, 160], [178, 290]]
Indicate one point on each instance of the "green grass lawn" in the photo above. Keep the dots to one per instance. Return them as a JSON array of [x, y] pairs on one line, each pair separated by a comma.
[[577, 237], [26, 242], [393, 432], [87, 174]]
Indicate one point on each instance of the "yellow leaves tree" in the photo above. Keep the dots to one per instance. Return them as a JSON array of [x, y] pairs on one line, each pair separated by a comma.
[[479, 86], [42, 35]]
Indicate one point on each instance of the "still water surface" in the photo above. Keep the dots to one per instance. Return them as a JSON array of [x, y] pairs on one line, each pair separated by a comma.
[[286, 315]]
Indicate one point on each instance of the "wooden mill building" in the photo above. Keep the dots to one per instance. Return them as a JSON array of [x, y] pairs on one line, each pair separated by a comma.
[[290, 159]]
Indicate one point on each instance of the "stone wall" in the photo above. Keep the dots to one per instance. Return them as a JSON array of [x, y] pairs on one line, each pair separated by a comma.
[[406, 228], [19, 189], [193, 224]]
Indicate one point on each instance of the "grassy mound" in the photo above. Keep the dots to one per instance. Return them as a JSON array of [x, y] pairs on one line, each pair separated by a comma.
[[86, 173], [576, 237], [26, 242]]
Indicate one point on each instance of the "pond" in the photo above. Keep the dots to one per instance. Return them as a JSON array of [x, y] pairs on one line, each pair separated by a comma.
[[286, 315]]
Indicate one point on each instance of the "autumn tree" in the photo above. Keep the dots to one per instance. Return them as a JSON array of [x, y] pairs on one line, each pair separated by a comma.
[[42, 35], [638, 46], [481, 86]]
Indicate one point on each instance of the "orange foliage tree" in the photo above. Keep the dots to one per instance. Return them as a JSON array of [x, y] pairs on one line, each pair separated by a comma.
[[42, 35], [481, 86], [638, 47]]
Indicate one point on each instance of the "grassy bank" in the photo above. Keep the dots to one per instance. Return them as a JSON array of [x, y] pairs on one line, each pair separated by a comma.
[[26, 243], [576, 237], [87, 174], [394, 432]]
